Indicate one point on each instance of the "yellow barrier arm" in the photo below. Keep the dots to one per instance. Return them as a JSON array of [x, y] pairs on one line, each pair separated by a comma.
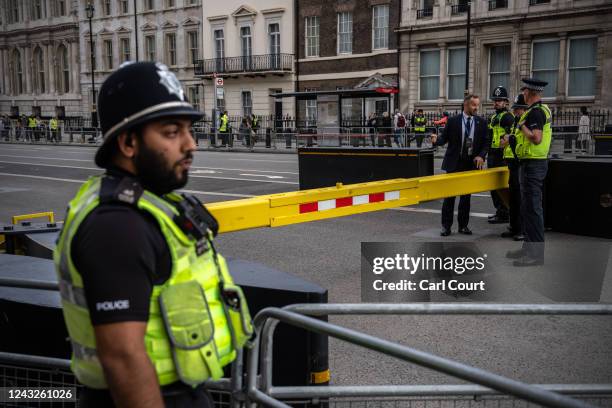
[[277, 210], [18, 218]]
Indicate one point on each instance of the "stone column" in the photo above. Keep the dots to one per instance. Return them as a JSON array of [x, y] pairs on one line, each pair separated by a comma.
[[5, 71], [27, 67], [51, 60], [442, 96], [74, 67], [562, 78], [604, 45]]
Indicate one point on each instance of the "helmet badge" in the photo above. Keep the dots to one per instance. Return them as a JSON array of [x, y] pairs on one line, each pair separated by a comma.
[[169, 81], [497, 91]]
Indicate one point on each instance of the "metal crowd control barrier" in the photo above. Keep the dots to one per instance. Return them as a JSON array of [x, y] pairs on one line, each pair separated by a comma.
[[261, 390], [277, 210]]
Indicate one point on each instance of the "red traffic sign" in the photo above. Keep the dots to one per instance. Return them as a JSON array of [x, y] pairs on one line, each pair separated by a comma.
[[219, 81]]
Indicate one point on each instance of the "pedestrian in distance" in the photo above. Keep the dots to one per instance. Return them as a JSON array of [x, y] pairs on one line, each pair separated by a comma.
[[509, 143], [245, 132], [500, 125], [150, 306], [584, 131], [224, 128], [536, 128], [466, 135], [399, 128], [384, 138], [372, 125], [420, 123]]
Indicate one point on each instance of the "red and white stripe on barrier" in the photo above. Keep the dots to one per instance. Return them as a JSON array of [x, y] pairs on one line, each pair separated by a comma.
[[325, 205]]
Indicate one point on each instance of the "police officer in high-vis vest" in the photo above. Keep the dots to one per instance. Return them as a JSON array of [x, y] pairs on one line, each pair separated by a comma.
[[510, 143], [151, 309], [224, 128], [500, 125], [420, 121], [535, 126]]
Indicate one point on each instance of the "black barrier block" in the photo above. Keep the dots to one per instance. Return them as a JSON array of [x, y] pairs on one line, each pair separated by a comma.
[[579, 196], [33, 323], [603, 145], [324, 167]]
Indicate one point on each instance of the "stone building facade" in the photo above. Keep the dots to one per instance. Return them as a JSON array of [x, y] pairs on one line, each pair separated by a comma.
[[251, 47], [347, 44], [39, 57], [169, 31], [565, 42]]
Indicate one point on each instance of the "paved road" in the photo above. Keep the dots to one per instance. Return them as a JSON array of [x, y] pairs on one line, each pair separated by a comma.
[[551, 349]]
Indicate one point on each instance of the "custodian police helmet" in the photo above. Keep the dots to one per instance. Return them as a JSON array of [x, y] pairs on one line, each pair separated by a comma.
[[500, 93], [135, 94]]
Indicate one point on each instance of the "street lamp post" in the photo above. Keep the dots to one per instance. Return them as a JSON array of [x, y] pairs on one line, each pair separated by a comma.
[[94, 117]]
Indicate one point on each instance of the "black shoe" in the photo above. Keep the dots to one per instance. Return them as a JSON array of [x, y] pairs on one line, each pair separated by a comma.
[[490, 217], [508, 234], [528, 261], [515, 254], [518, 237], [445, 232], [465, 231], [498, 219]]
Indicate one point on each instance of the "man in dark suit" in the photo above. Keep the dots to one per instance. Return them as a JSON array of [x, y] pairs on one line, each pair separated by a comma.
[[468, 144]]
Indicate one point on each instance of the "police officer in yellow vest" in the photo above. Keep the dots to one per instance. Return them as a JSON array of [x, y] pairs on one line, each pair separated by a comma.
[[224, 128], [509, 144], [53, 129], [500, 124], [150, 307], [420, 121], [535, 126]]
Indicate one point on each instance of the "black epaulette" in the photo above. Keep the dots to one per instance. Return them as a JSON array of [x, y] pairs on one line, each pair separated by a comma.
[[120, 189]]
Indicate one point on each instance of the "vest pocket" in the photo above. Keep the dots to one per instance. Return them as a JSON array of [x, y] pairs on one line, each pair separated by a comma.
[[190, 327], [238, 314]]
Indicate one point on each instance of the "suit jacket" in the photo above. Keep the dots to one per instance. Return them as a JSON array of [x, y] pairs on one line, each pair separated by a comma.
[[453, 135]]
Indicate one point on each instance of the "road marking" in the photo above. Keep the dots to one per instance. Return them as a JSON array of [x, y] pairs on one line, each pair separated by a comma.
[[434, 211], [212, 193], [261, 175], [267, 161], [52, 165], [45, 158], [202, 172], [12, 189], [246, 179]]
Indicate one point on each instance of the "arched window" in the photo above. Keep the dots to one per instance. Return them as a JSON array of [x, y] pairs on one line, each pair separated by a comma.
[[17, 84], [63, 69], [39, 71]]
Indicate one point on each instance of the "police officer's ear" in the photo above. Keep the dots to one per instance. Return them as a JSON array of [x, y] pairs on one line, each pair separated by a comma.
[[126, 144]]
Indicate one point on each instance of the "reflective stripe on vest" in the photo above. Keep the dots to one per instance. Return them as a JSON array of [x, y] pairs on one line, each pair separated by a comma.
[[529, 150], [496, 129], [419, 124], [519, 136], [186, 266]]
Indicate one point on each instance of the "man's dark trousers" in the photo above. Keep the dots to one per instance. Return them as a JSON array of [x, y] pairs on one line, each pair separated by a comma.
[[532, 175], [495, 158], [448, 206], [515, 196]]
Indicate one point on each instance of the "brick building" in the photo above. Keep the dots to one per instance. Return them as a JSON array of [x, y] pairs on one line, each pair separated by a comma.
[[347, 44]]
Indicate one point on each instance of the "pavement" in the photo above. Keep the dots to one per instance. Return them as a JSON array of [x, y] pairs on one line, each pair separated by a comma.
[[537, 349]]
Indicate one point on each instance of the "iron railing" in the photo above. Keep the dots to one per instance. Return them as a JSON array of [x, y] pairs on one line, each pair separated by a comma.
[[498, 4], [424, 13], [245, 64]]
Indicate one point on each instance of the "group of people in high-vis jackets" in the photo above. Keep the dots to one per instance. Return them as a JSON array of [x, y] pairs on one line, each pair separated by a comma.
[[32, 128], [520, 139]]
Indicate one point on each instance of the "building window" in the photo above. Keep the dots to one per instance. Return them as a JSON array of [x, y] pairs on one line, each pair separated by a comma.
[[582, 66], [39, 71], [247, 103], [545, 65], [219, 50], [193, 46], [108, 55], [499, 67], [246, 47], [312, 36], [59, 8], [149, 4], [194, 96], [193, 2], [170, 3], [106, 7], [429, 75], [124, 6], [38, 9], [63, 70], [150, 47], [274, 42], [171, 49], [17, 73], [14, 15], [124, 44], [456, 73], [345, 33], [380, 27]]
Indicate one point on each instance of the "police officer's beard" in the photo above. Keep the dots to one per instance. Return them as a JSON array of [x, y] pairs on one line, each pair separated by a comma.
[[154, 173]]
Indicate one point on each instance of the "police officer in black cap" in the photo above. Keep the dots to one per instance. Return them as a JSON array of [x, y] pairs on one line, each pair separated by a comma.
[[536, 127], [500, 125], [139, 276]]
